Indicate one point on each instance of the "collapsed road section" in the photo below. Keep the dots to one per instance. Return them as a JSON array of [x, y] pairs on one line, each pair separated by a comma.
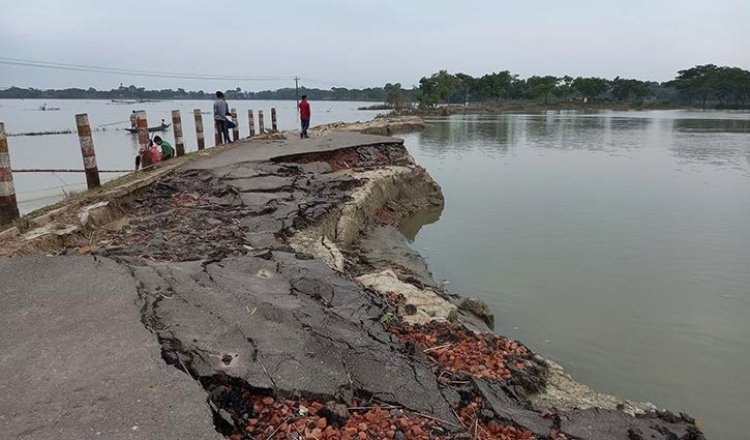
[[266, 293]]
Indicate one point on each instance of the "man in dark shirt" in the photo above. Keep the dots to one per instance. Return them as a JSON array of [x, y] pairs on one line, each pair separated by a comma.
[[304, 116], [221, 111]]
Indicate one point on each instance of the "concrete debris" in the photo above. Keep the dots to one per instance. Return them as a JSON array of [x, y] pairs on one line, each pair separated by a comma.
[[480, 309], [428, 305]]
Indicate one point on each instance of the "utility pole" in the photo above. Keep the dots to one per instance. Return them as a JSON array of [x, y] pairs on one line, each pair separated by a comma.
[[296, 91]]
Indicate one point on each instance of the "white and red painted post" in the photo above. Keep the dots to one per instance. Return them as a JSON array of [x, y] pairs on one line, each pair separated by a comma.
[[261, 128], [8, 202], [236, 129], [179, 142], [199, 129], [87, 151], [141, 124], [251, 122], [274, 127]]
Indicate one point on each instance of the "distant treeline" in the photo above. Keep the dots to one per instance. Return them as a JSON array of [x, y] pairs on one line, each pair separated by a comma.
[[705, 86], [376, 94]]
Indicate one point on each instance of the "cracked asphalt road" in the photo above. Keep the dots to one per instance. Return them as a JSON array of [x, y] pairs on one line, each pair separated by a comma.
[[76, 362], [200, 287]]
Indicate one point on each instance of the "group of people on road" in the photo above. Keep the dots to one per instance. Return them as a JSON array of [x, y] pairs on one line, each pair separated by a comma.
[[224, 121], [158, 149]]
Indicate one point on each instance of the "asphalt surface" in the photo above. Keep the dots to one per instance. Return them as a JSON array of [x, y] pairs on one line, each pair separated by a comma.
[[76, 362]]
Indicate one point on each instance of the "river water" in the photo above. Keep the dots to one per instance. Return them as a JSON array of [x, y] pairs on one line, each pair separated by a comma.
[[115, 147], [617, 244]]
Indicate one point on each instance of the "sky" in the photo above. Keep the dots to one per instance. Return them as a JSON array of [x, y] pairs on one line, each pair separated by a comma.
[[364, 43]]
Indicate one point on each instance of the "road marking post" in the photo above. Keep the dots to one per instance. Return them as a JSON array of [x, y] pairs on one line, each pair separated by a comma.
[[179, 142], [251, 122], [236, 129], [87, 151], [8, 202], [199, 129]]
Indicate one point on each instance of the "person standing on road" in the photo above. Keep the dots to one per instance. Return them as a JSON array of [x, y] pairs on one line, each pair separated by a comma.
[[222, 117], [304, 116]]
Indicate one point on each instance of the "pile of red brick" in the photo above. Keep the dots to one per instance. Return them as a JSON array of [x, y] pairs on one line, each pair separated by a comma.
[[461, 351], [285, 419], [482, 429]]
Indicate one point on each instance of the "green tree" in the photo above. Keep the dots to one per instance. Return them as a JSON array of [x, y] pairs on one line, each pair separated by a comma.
[[394, 96], [541, 86], [590, 88], [564, 87], [629, 89], [496, 85], [697, 82], [440, 87]]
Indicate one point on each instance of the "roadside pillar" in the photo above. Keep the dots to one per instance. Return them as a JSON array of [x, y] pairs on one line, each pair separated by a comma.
[[179, 143], [236, 129], [217, 134], [87, 151], [141, 124], [261, 129], [199, 128], [8, 202], [251, 122], [274, 127]]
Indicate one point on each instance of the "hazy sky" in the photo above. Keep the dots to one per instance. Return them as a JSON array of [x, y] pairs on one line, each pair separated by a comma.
[[355, 43]]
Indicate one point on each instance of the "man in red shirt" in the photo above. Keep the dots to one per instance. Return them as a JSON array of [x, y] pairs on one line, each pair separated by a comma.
[[304, 116]]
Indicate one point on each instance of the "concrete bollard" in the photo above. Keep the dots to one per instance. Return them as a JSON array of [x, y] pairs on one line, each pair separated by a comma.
[[87, 151], [8, 202], [261, 129], [217, 133], [274, 127], [141, 124], [179, 142], [251, 122], [236, 129], [199, 129]]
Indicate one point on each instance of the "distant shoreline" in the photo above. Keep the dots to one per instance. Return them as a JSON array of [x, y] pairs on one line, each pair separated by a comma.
[[520, 106]]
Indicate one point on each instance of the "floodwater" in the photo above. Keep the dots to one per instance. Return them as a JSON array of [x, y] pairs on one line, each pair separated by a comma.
[[616, 243], [115, 147]]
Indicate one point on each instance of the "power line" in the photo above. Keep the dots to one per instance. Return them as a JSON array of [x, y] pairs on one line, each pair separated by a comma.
[[132, 72], [162, 74], [324, 83]]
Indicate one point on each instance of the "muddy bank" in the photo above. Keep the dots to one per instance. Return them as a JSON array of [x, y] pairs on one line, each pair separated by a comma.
[[282, 288]]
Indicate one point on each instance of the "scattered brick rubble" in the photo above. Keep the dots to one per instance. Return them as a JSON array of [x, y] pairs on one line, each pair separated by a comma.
[[461, 352], [483, 427], [289, 419]]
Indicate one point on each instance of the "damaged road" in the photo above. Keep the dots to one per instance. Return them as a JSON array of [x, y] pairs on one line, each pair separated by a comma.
[[239, 296]]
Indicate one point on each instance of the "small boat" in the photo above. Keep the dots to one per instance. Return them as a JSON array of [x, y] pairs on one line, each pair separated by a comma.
[[161, 127], [44, 108]]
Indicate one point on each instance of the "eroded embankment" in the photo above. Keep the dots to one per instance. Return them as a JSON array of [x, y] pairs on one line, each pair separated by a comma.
[[258, 281]]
